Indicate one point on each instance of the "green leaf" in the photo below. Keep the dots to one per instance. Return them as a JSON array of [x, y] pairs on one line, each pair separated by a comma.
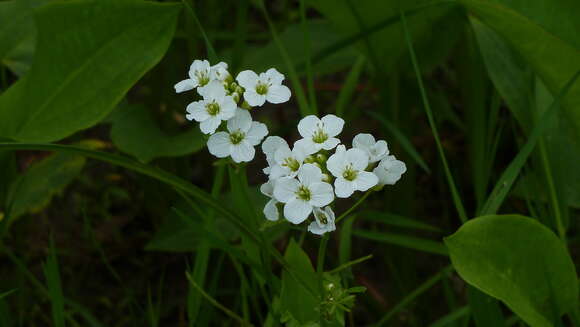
[[34, 189], [301, 304], [519, 261], [135, 131], [550, 56], [89, 54]]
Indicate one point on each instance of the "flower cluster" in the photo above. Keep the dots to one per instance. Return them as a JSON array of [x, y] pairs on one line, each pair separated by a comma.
[[306, 178], [223, 112]]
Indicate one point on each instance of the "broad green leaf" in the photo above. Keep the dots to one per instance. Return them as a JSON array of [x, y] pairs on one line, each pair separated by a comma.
[[34, 189], [89, 54], [550, 56], [135, 131], [294, 298], [518, 261]]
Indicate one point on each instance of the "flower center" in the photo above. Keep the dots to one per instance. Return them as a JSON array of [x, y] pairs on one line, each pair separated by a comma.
[[303, 193], [212, 108], [322, 218], [202, 78], [237, 137], [291, 163], [319, 136], [349, 174], [261, 88]]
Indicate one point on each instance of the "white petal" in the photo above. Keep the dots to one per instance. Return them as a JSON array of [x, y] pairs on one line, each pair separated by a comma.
[[267, 188], [196, 111], [256, 133], [365, 180], [254, 99], [278, 171], [330, 143], [274, 76], [307, 145], [321, 194], [213, 90], [343, 188], [309, 174], [227, 108], [278, 94], [389, 170], [296, 210], [241, 121], [247, 79], [271, 210], [185, 85], [358, 158], [285, 189], [315, 228], [219, 144], [209, 125], [319, 228], [198, 66], [363, 141], [379, 151], [282, 153], [242, 152], [337, 162], [308, 125], [332, 124], [271, 145]]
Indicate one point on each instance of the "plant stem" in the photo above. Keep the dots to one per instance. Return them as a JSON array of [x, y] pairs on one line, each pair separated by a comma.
[[358, 203]]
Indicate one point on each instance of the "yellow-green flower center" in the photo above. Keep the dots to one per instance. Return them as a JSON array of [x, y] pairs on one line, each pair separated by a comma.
[[349, 174], [202, 78], [322, 218], [291, 163], [319, 136], [237, 137], [303, 193], [261, 88], [212, 108]]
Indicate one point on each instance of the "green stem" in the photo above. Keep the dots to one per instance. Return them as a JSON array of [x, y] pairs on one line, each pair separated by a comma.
[[350, 263], [552, 190], [320, 271], [358, 203], [215, 303]]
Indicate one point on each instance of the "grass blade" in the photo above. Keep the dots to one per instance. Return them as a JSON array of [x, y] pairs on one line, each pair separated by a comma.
[[52, 274], [507, 179], [409, 242], [454, 193], [211, 54], [349, 87], [452, 317], [5, 294]]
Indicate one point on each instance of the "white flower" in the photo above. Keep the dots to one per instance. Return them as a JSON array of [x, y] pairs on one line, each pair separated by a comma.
[[376, 150], [243, 134], [323, 221], [389, 170], [270, 145], [319, 133], [349, 169], [199, 75], [301, 195], [287, 162], [264, 87], [219, 71], [215, 107], [270, 210]]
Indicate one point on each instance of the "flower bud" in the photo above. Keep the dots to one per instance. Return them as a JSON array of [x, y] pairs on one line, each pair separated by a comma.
[[326, 178], [321, 157]]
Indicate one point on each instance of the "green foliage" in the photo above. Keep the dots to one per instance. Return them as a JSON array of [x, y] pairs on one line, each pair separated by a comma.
[[135, 132], [89, 55], [34, 189], [494, 254]]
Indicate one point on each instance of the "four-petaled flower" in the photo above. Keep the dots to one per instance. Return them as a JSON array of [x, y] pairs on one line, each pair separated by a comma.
[[287, 162], [199, 75], [264, 87], [243, 134], [376, 150], [212, 109], [349, 169], [323, 221], [302, 195], [319, 133], [390, 170]]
